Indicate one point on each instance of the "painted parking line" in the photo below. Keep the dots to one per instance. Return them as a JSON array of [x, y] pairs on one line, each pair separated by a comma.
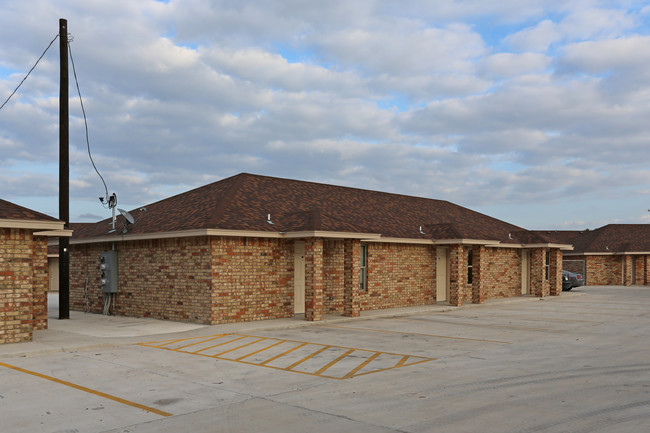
[[88, 390], [315, 359], [414, 333], [482, 325], [532, 319]]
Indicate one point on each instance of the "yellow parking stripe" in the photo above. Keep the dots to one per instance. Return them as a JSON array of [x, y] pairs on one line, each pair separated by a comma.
[[295, 364], [88, 390], [217, 345], [340, 365], [363, 364], [327, 366], [259, 351], [482, 325], [414, 333], [199, 342], [283, 354], [238, 347]]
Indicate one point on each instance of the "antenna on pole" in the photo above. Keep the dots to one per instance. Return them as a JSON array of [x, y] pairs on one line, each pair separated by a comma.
[[64, 173]]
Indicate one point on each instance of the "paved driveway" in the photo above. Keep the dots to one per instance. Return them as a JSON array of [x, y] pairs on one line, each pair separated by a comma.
[[577, 363]]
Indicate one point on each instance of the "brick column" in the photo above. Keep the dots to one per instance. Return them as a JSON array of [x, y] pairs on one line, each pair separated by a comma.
[[627, 270], [314, 279], [555, 277], [351, 278], [457, 274], [479, 293], [16, 285], [538, 284], [40, 282]]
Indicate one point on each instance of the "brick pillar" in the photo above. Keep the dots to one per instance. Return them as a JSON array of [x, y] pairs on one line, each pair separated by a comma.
[[40, 282], [457, 274], [314, 279], [351, 278], [555, 277], [479, 292], [16, 286], [627, 270], [538, 284]]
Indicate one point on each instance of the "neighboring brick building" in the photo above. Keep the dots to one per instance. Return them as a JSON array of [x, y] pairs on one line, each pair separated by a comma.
[[254, 247], [24, 270], [615, 254]]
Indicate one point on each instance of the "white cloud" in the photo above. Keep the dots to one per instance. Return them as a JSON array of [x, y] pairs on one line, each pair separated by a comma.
[[507, 65], [537, 38], [475, 102]]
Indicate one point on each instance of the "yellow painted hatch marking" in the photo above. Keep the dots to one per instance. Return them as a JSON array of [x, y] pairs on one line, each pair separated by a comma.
[[314, 359], [88, 390]]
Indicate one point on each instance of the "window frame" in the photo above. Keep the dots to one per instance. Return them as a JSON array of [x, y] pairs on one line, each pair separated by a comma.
[[470, 265], [363, 268]]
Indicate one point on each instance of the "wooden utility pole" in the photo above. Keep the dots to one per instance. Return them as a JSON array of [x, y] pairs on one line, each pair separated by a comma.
[[64, 174]]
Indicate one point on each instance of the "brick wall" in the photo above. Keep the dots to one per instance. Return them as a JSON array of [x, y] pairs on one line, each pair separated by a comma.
[[314, 279], [334, 276], [502, 269], [640, 271], [17, 283], [164, 279], [539, 284], [40, 282], [399, 275], [575, 264], [604, 270], [253, 279]]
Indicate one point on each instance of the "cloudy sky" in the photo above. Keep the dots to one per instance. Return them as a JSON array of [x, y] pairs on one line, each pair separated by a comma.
[[534, 112]]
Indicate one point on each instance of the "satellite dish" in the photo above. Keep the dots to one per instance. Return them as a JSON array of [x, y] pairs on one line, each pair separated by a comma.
[[127, 216]]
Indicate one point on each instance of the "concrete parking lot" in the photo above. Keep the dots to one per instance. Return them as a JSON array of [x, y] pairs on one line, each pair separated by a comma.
[[576, 363]]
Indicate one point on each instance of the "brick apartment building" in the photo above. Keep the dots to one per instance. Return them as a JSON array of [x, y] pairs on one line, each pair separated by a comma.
[[253, 247], [24, 270], [615, 254]]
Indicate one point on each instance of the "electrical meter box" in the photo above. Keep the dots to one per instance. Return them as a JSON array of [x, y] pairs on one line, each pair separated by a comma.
[[108, 269]]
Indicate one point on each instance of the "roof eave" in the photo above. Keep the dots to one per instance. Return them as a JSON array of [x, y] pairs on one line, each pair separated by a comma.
[[31, 224]]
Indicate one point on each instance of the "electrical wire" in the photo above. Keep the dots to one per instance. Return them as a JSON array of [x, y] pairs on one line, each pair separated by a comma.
[[30, 71], [83, 110]]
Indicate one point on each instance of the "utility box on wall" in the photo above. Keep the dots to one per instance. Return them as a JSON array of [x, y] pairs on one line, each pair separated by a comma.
[[108, 268]]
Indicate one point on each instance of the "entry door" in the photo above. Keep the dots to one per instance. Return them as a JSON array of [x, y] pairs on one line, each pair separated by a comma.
[[525, 272], [442, 275], [299, 277]]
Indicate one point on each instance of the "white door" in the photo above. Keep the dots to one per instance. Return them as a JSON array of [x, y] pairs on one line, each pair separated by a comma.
[[299, 277], [525, 272], [442, 275]]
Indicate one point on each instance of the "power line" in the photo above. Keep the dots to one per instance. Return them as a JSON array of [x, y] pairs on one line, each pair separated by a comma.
[[83, 110], [30, 71]]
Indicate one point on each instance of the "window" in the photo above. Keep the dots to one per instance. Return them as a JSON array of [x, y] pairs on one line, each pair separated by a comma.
[[548, 264], [469, 266], [364, 268]]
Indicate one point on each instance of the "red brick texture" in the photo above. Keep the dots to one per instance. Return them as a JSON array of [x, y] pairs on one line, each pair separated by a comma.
[[610, 269], [399, 275], [252, 279], [502, 272], [234, 279], [314, 280], [23, 284]]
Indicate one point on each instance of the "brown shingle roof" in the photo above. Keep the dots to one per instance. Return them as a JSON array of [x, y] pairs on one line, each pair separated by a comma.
[[11, 211], [613, 238], [244, 201]]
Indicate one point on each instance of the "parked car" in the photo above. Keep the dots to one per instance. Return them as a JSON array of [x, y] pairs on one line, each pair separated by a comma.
[[571, 280]]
